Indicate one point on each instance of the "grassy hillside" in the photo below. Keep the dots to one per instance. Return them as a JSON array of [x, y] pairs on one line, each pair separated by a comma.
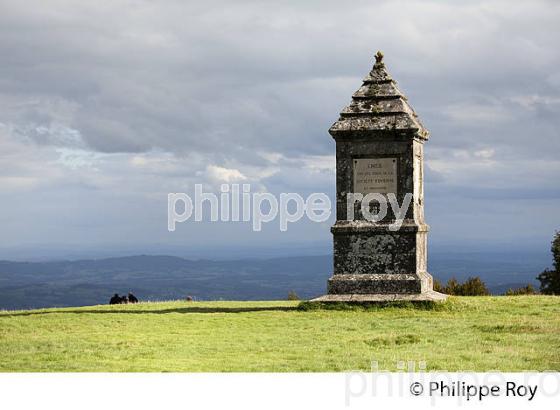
[[476, 333]]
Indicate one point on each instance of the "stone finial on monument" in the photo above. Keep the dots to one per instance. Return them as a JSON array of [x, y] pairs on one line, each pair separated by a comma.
[[379, 157]]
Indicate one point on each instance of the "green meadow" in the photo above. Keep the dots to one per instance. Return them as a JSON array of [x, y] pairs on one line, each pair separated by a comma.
[[463, 334]]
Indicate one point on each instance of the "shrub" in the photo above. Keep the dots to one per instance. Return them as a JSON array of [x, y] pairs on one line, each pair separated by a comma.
[[526, 290], [452, 287], [292, 295], [473, 286]]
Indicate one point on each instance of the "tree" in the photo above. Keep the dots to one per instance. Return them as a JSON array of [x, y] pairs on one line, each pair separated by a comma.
[[555, 249], [550, 279]]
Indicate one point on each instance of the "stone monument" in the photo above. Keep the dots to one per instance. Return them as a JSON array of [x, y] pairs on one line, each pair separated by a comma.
[[379, 151]]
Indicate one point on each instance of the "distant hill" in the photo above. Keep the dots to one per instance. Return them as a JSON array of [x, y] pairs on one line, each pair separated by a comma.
[[158, 277], [88, 282]]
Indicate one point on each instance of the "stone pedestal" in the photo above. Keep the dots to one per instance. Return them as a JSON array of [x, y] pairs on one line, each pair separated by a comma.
[[379, 151]]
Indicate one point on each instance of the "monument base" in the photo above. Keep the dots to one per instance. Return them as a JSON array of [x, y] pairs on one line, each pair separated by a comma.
[[429, 296]]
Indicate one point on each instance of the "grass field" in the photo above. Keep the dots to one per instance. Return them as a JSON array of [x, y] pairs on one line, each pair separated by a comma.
[[469, 333]]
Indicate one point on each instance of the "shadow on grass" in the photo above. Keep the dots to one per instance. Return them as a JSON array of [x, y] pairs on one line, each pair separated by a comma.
[[193, 309], [373, 306], [304, 306]]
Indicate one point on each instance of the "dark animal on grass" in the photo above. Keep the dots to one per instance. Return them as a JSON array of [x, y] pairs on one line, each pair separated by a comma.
[[124, 300], [115, 300], [132, 298]]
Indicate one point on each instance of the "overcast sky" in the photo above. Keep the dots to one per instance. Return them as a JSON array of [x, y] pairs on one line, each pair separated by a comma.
[[105, 107]]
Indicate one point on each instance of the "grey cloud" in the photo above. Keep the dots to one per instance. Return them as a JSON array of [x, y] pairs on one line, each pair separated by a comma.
[[225, 78], [193, 84]]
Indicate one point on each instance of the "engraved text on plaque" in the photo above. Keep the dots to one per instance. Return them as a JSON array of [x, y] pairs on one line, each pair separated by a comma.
[[375, 175]]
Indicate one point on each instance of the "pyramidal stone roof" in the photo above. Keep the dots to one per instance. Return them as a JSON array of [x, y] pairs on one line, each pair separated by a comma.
[[378, 107]]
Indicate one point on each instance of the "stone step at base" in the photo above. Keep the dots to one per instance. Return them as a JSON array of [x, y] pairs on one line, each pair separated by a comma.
[[430, 296], [379, 284]]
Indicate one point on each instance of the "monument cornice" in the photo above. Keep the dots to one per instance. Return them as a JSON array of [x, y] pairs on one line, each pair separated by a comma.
[[379, 106], [351, 227]]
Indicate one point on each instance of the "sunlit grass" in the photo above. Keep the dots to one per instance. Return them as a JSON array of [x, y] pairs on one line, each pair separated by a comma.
[[469, 333]]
